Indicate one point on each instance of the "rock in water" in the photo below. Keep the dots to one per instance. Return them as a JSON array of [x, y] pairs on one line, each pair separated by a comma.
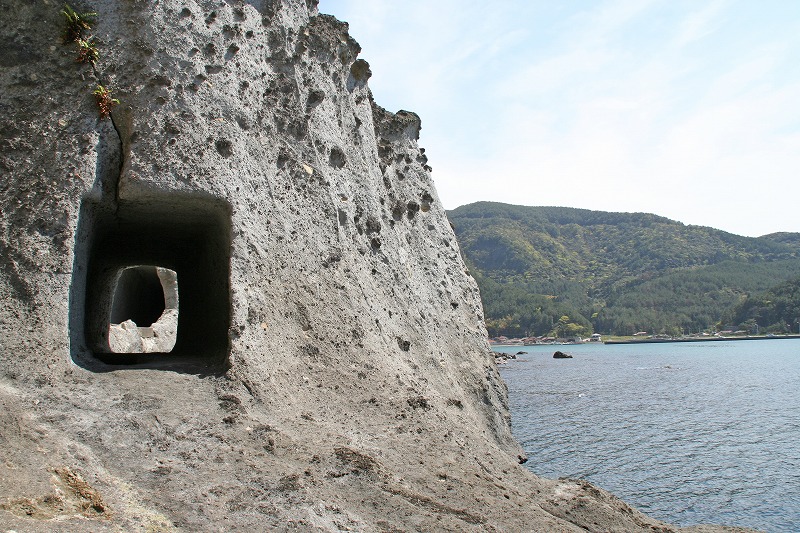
[[561, 355], [330, 368]]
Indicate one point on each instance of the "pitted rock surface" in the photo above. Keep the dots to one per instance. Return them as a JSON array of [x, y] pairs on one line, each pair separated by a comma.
[[331, 370]]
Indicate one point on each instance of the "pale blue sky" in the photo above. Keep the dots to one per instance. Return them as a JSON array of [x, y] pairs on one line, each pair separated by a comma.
[[685, 108]]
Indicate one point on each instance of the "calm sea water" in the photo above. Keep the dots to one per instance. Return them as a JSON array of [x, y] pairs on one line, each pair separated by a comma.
[[688, 433]]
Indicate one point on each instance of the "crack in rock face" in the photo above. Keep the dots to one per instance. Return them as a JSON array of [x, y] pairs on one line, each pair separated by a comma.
[[237, 304]]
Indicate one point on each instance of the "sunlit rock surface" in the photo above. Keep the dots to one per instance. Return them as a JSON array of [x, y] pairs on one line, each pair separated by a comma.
[[330, 369]]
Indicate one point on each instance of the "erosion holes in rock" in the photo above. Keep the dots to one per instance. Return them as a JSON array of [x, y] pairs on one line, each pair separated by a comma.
[[360, 72], [412, 210], [425, 202], [184, 233], [337, 159], [224, 147]]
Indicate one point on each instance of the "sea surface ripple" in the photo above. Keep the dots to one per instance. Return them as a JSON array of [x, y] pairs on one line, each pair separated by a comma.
[[692, 433]]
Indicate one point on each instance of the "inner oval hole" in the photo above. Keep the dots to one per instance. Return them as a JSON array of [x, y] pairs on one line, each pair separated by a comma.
[[139, 296], [144, 310]]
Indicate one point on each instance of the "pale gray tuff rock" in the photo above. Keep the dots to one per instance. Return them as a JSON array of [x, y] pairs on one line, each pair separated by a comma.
[[331, 370]]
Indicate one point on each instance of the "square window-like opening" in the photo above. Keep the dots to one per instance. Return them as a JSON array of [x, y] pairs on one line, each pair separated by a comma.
[[156, 292]]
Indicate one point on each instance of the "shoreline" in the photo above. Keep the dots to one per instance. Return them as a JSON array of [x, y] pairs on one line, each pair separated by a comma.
[[703, 339], [653, 341]]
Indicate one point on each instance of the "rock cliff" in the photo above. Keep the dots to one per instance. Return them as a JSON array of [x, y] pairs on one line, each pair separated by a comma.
[[330, 369]]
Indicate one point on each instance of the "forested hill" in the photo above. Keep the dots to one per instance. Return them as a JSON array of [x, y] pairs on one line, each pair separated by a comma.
[[612, 272]]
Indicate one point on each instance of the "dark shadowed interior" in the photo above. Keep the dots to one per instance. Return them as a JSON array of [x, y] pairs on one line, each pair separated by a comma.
[[138, 296], [185, 233]]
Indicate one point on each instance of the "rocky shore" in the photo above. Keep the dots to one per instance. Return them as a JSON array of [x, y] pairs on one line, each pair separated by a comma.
[[330, 370]]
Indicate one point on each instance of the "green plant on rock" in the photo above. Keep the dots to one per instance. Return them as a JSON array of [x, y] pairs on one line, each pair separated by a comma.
[[105, 103], [87, 51], [76, 24]]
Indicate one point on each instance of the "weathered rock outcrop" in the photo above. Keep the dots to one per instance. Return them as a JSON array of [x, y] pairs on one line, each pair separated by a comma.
[[330, 371]]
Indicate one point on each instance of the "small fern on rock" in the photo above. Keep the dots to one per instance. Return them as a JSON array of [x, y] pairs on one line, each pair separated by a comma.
[[76, 24]]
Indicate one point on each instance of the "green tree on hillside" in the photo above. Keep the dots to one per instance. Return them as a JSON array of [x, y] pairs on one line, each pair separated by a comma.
[[566, 329], [626, 272], [776, 310]]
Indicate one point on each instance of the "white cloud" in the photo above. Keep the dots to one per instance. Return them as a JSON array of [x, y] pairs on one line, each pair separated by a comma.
[[683, 109], [700, 23]]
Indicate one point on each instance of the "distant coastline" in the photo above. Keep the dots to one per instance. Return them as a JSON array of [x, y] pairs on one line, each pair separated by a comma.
[[702, 339], [512, 343]]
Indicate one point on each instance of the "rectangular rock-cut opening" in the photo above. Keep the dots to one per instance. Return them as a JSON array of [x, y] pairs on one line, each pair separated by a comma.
[[187, 235]]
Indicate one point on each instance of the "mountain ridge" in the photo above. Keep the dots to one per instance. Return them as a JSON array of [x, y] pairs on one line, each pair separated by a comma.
[[597, 264]]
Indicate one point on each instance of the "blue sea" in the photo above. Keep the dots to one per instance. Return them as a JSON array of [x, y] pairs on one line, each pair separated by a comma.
[[689, 433]]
